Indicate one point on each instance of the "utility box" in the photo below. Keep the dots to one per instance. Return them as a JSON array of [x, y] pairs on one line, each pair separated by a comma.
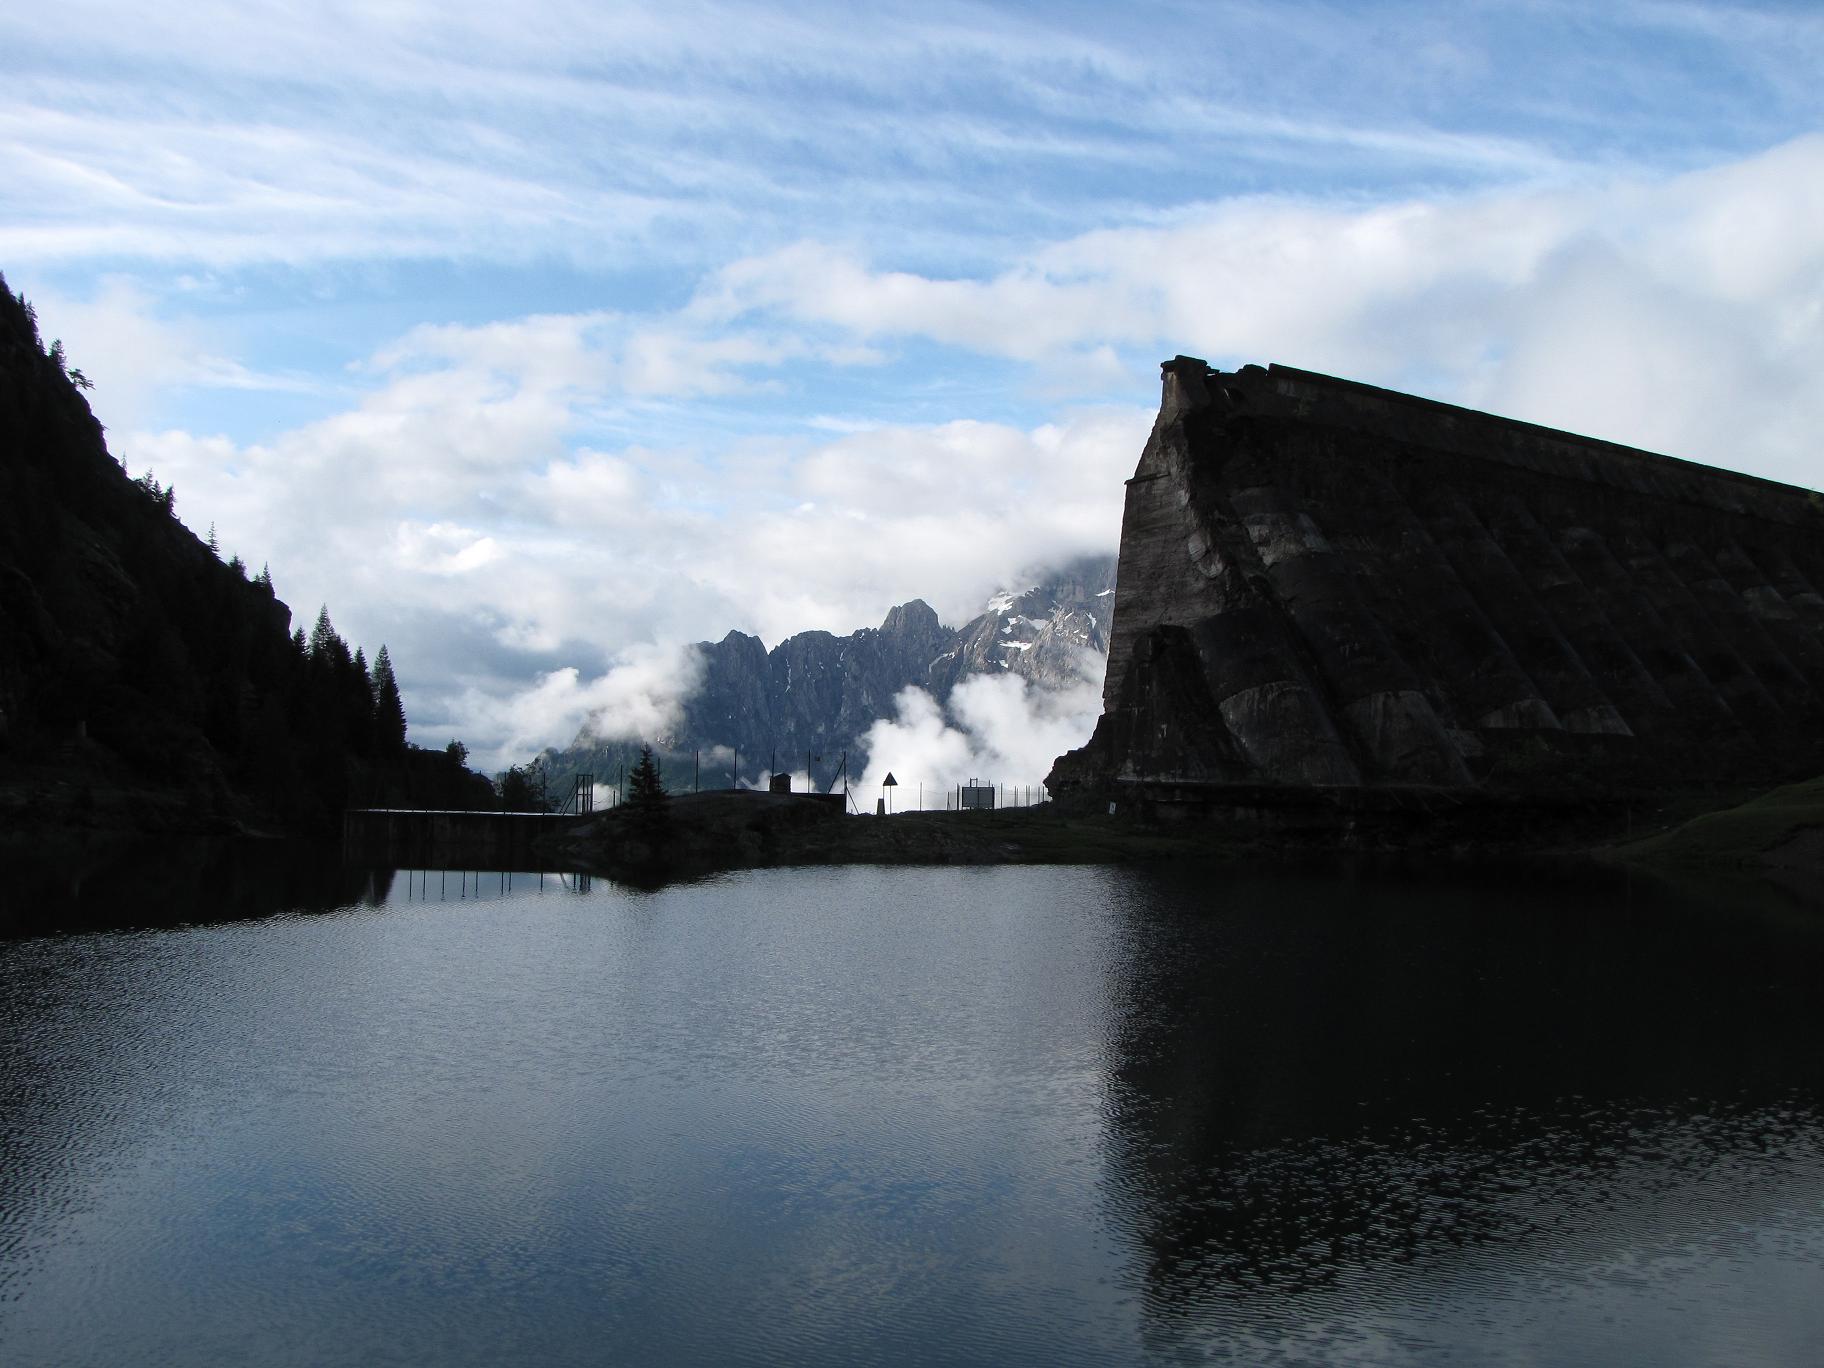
[[976, 794], [779, 783]]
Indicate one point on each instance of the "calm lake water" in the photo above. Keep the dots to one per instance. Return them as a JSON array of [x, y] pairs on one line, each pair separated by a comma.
[[255, 1108]]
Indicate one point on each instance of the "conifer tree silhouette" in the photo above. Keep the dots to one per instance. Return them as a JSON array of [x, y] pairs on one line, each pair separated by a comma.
[[648, 806], [389, 709]]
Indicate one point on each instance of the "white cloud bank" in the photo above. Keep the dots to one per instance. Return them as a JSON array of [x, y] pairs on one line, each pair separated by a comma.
[[1683, 314], [998, 729], [461, 513], [641, 696]]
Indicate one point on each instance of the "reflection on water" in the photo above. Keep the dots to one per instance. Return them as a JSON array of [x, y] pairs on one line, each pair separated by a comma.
[[261, 1108], [114, 884], [438, 885], [1335, 1105]]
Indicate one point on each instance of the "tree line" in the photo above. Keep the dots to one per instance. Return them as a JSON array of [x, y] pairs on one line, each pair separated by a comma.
[[136, 659]]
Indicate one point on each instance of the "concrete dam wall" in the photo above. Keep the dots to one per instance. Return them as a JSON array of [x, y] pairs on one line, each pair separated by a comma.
[[1327, 585]]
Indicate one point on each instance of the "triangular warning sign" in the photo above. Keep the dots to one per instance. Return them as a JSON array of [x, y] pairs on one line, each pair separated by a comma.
[[889, 781]]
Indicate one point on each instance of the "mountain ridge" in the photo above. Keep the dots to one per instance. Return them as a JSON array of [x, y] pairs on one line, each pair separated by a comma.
[[812, 697]]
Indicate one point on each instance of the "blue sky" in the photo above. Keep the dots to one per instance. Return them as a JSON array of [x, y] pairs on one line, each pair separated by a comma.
[[537, 340]]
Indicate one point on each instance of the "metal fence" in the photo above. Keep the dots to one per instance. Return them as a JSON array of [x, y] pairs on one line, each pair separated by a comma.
[[972, 795], [698, 771]]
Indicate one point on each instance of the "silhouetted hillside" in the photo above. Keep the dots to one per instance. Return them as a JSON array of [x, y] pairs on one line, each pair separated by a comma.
[[143, 681]]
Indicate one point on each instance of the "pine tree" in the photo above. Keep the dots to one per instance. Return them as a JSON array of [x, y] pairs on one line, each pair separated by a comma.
[[389, 709], [523, 790], [356, 689], [323, 639], [648, 807]]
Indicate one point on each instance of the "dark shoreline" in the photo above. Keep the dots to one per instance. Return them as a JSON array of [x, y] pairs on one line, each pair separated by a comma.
[[1773, 838], [715, 832]]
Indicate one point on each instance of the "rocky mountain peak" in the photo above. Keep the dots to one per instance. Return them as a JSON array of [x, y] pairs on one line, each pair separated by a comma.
[[1039, 632], [914, 619], [814, 695]]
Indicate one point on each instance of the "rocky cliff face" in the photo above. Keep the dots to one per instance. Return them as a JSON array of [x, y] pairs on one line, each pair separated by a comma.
[[1324, 584], [816, 694], [812, 692], [1040, 634]]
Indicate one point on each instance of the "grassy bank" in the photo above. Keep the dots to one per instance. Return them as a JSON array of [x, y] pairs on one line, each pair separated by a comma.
[[1783, 829], [730, 830]]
